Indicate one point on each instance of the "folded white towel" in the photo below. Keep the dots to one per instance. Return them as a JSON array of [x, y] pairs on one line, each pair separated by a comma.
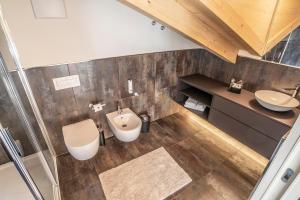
[[194, 104], [199, 108]]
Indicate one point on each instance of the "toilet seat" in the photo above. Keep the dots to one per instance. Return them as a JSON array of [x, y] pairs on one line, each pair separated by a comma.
[[82, 139]]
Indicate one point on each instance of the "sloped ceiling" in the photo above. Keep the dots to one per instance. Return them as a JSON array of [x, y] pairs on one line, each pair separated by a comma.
[[225, 27]]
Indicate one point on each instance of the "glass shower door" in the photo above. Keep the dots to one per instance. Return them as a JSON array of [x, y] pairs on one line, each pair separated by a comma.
[[27, 161], [24, 171], [14, 153]]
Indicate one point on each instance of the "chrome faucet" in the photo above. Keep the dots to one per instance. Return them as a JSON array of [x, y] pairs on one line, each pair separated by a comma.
[[296, 90], [120, 110]]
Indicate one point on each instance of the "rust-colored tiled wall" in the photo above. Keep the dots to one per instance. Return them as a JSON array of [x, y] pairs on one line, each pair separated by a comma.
[[255, 73], [154, 78], [105, 80]]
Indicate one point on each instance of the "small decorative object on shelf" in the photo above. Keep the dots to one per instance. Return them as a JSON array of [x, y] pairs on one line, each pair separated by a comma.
[[236, 87]]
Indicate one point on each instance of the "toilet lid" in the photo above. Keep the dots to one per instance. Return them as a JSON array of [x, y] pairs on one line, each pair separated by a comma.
[[80, 134]]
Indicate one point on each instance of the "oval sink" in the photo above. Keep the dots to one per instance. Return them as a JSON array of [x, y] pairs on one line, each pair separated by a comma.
[[276, 101]]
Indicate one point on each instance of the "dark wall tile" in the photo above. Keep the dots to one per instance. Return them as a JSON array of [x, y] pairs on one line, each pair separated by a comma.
[[164, 104], [165, 66], [256, 74], [213, 67], [140, 69], [188, 62], [9, 119], [140, 104], [154, 79], [98, 77], [103, 80], [50, 101], [29, 111], [99, 83], [57, 107]]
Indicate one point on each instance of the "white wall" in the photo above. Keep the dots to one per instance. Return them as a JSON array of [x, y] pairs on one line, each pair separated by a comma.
[[94, 29]]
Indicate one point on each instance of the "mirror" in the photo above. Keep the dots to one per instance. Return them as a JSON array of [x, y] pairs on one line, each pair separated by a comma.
[[287, 51]]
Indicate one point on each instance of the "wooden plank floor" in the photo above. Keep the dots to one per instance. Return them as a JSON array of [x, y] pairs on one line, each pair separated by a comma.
[[219, 167]]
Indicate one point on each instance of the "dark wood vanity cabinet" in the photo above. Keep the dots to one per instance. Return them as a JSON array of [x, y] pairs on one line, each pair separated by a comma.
[[239, 115], [243, 125], [245, 134], [256, 121]]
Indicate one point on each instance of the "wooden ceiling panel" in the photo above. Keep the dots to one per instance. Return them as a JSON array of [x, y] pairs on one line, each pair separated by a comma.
[[256, 13], [199, 11], [231, 23], [226, 26], [286, 18], [174, 15]]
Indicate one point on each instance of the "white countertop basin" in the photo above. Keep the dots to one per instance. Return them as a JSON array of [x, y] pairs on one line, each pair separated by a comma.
[[276, 101]]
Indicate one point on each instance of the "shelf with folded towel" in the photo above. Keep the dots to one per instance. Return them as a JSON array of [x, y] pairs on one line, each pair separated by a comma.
[[202, 114], [198, 95]]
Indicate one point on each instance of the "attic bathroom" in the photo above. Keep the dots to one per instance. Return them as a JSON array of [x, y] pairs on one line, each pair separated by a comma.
[[149, 100]]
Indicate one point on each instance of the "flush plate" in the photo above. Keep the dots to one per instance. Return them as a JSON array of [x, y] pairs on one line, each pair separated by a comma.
[[66, 82]]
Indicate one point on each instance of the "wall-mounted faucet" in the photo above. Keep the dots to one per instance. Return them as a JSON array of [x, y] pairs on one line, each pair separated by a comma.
[[296, 90]]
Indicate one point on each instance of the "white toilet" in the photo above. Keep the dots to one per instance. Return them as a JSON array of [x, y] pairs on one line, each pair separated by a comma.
[[82, 139]]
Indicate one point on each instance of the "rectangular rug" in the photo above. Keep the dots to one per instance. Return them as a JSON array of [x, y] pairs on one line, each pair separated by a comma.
[[153, 176]]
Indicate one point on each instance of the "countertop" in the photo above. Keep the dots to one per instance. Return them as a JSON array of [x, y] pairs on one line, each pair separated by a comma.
[[245, 99]]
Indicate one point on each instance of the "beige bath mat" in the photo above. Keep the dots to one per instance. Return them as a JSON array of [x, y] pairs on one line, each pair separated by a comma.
[[152, 176]]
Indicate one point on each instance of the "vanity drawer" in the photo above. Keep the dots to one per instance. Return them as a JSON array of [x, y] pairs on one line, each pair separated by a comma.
[[255, 120], [246, 135]]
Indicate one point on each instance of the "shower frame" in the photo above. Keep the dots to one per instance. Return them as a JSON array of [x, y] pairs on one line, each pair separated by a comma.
[[19, 106]]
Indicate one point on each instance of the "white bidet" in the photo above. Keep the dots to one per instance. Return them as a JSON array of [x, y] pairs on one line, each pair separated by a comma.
[[126, 125]]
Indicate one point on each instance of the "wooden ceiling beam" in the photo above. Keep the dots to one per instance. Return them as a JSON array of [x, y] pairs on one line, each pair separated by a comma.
[[174, 15], [280, 35], [286, 18], [226, 26], [228, 16]]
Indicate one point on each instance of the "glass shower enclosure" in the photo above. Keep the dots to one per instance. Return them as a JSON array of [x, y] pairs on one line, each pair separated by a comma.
[[27, 158]]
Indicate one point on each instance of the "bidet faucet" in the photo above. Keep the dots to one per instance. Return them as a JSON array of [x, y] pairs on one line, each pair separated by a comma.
[[120, 110], [296, 90]]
